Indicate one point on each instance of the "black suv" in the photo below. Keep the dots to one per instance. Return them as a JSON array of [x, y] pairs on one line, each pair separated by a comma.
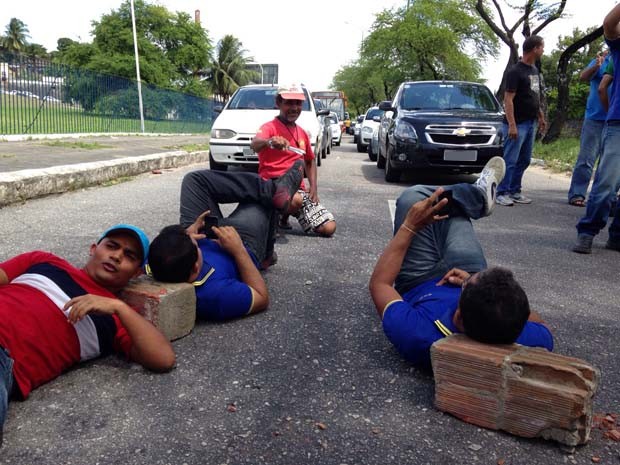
[[450, 126]]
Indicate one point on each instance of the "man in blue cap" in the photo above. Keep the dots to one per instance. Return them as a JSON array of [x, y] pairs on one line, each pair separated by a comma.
[[54, 315]]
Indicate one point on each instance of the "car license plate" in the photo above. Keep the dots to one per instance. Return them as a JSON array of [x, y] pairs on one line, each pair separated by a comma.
[[460, 155], [248, 152]]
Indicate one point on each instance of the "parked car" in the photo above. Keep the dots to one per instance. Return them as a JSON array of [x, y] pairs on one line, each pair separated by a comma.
[[373, 147], [336, 128], [370, 122], [239, 120], [446, 126], [326, 137], [356, 129]]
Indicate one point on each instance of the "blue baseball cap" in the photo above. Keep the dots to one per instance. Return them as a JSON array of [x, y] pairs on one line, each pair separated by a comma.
[[135, 232]]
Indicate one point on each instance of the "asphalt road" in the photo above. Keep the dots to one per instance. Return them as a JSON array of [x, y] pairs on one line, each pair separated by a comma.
[[313, 379]]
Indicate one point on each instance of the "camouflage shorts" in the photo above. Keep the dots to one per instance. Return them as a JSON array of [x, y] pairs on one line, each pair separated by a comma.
[[312, 215]]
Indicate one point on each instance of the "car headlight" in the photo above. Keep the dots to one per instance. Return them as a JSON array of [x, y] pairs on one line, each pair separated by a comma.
[[367, 130], [223, 134], [405, 131]]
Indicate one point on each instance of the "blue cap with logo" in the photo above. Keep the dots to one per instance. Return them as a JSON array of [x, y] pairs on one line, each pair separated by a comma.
[[134, 231]]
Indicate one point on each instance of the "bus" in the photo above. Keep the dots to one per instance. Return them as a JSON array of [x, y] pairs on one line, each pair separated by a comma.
[[335, 101]]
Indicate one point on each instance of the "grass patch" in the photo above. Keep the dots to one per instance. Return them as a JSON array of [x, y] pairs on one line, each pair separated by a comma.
[[7, 155], [189, 147], [560, 155], [22, 115], [77, 145], [114, 182]]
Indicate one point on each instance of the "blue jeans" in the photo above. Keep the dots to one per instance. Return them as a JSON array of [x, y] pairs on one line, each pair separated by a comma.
[[443, 245], [589, 151], [517, 155], [605, 187], [6, 384], [254, 218]]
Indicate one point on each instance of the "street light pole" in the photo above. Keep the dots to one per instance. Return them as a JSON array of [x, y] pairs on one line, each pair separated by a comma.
[[135, 47], [261, 71]]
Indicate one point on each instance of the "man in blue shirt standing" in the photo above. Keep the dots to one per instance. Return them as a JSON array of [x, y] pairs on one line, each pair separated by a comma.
[[591, 131], [431, 280], [607, 177]]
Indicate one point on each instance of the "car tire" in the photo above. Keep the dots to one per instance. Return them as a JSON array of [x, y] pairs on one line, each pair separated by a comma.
[[215, 165], [391, 174], [337, 144], [380, 160], [371, 155], [361, 147]]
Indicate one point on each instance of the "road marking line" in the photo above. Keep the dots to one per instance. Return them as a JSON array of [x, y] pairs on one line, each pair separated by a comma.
[[392, 207]]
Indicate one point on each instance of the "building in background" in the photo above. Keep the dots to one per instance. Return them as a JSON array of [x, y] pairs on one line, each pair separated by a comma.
[[269, 72]]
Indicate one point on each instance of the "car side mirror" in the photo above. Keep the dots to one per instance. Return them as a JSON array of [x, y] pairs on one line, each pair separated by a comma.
[[386, 105], [322, 112]]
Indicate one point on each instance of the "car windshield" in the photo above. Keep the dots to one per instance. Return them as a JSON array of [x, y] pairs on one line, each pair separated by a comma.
[[258, 98], [374, 112], [447, 96]]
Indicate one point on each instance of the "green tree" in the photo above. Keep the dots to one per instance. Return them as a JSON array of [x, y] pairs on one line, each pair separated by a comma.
[[429, 40], [35, 51], [173, 49], [15, 36], [229, 67], [532, 17]]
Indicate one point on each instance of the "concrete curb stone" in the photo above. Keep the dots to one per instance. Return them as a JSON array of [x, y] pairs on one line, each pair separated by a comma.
[[18, 186]]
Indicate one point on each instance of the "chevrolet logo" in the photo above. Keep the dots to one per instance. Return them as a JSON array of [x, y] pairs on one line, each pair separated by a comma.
[[461, 132]]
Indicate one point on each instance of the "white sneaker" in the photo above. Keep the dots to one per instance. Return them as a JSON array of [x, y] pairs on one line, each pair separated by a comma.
[[491, 176], [520, 198], [504, 200]]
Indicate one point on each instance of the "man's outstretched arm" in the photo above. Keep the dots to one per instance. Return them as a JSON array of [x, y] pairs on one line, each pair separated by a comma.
[[381, 284], [611, 23], [149, 347]]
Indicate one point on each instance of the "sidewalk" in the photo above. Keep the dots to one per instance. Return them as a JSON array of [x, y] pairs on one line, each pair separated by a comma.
[[34, 168]]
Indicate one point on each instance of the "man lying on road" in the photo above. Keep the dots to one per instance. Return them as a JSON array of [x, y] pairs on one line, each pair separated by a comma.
[[53, 315], [439, 271], [225, 269]]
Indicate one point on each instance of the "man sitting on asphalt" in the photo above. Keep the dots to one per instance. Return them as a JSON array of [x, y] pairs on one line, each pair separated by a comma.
[[279, 143], [441, 282], [225, 268], [53, 315]]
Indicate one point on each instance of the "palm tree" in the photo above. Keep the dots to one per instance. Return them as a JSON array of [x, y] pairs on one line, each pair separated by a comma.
[[16, 35], [230, 67]]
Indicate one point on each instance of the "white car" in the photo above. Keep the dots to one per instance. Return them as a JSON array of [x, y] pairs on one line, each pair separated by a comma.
[[367, 127], [336, 128], [246, 111]]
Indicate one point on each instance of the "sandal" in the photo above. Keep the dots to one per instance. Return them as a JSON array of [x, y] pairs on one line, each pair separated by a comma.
[[284, 224], [577, 202]]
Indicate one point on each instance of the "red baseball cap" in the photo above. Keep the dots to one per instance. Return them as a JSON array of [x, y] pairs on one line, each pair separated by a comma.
[[292, 92]]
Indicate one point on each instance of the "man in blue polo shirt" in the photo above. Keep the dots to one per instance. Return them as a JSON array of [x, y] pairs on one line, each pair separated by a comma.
[[591, 131], [225, 267], [432, 278], [607, 177]]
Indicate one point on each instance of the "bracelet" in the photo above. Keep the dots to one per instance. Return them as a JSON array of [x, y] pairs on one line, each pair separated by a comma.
[[404, 225]]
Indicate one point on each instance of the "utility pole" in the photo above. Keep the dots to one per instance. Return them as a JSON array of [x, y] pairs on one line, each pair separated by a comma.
[[135, 47]]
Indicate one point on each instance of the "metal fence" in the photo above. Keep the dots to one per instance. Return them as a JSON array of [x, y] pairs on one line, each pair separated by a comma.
[[41, 97]]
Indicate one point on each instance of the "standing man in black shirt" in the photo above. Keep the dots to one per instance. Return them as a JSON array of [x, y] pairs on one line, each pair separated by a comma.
[[522, 104]]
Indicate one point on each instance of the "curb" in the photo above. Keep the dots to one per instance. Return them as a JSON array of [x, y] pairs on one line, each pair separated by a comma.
[[17, 186]]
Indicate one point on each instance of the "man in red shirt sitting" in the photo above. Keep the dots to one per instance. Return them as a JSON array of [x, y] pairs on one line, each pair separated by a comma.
[[281, 142], [54, 315]]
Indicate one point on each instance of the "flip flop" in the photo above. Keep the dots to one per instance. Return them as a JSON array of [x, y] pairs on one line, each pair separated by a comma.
[[577, 202]]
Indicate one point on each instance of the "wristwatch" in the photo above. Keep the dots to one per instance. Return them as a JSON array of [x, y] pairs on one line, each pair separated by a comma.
[[270, 143]]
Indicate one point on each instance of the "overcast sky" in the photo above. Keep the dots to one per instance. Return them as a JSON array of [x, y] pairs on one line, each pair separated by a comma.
[[310, 40]]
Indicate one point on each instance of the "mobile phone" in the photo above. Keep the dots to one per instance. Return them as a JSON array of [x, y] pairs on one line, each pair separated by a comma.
[[210, 221], [447, 208]]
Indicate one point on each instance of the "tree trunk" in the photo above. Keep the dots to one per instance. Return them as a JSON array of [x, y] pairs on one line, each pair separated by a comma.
[[555, 129]]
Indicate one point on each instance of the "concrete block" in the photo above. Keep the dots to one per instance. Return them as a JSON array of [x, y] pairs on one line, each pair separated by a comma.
[[529, 392], [170, 307]]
